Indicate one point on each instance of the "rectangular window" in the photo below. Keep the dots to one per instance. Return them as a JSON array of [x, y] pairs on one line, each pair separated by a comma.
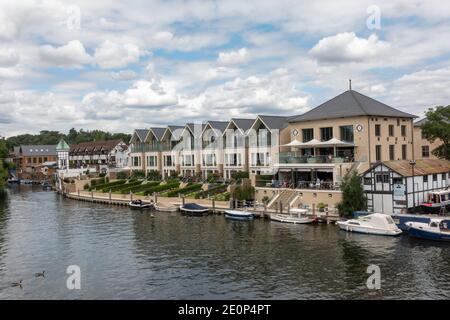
[[443, 176], [434, 177], [391, 130], [152, 161], [425, 151], [136, 161], [404, 153], [346, 133], [391, 152], [168, 161], [308, 134], [403, 129], [377, 130], [368, 181], [377, 153], [326, 133], [382, 178], [425, 179], [397, 180]]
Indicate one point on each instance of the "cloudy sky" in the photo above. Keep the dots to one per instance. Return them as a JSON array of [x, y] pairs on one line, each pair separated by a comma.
[[133, 64]]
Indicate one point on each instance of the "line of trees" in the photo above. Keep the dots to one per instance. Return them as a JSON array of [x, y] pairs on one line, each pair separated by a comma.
[[3, 167], [72, 137]]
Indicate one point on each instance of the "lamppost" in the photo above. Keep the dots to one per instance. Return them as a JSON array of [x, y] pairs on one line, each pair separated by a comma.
[[413, 163]]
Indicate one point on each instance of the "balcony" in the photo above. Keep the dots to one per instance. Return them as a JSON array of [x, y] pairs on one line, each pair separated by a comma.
[[293, 157], [144, 148]]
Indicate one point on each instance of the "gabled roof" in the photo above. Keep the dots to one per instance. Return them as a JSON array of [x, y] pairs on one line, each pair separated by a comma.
[[141, 134], [191, 128], [106, 145], [62, 145], [420, 122], [37, 150], [421, 168], [157, 132], [350, 104], [243, 124], [272, 122], [175, 131], [217, 126]]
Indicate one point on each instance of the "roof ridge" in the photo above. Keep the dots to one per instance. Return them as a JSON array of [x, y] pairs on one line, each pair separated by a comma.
[[357, 101]]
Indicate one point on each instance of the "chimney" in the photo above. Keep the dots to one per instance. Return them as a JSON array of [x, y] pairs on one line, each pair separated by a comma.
[[349, 84]]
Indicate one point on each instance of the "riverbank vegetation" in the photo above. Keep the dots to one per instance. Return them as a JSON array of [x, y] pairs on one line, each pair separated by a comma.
[[3, 165], [353, 197], [437, 127], [72, 137]]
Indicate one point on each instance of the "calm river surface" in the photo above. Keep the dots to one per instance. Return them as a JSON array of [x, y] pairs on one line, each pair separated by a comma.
[[124, 254]]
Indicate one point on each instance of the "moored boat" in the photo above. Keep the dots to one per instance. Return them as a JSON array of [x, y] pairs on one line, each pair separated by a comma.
[[437, 201], [436, 230], [376, 223], [238, 215], [296, 216], [141, 205], [166, 208], [193, 209]]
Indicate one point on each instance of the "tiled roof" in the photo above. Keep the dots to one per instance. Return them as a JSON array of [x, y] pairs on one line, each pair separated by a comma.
[[350, 104], [422, 167], [38, 150], [91, 146]]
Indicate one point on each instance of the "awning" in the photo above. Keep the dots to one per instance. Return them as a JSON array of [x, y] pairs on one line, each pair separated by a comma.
[[293, 143], [334, 142]]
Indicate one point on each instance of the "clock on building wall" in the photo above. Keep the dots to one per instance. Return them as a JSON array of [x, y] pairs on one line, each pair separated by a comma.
[[359, 128], [295, 132]]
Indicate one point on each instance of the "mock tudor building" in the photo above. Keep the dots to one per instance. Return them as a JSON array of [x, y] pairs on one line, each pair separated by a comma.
[[111, 153]]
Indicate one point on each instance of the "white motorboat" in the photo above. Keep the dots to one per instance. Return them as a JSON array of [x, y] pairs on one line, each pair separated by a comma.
[[238, 215], [376, 223], [141, 205], [295, 216], [166, 207]]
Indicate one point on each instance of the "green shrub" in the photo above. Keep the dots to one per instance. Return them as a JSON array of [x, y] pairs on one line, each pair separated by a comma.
[[240, 175], [86, 186], [153, 175], [138, 174], [211, 192], [188, 189], [122, 175], [225, 196], [244, 193], [162, 187]]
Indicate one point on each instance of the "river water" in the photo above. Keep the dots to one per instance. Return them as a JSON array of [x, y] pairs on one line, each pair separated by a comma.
[[124, 254]]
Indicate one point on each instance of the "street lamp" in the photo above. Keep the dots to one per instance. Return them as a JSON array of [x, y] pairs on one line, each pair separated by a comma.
[[413, 163]]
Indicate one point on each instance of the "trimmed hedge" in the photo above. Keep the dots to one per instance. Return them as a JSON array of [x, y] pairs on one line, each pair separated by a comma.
[[188, 189], [141, 187], [108, 185], [162, 187], [211, 192], [126, 185]]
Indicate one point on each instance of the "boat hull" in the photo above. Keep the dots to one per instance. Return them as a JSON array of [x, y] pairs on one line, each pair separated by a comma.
[[401, 220], [367, 230], [238, 215], [292, 220], [194, 210], [166, 209], [144, 206]]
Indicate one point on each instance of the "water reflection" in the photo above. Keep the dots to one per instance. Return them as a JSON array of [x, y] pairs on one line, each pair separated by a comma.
[[128, 254]]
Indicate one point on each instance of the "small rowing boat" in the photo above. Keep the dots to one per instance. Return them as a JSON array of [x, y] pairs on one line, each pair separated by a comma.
[[193, 209], [166, 207], [238, 215], [141, 205]]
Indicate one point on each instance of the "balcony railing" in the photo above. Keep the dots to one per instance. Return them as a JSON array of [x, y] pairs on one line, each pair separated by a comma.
[[145, 148], [292, 157], [308, 185]]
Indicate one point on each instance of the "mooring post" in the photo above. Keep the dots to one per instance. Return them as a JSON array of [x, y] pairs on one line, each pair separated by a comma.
[[156, 197], [92, 195], [281, 207], [183, 200], [235, 203], [254, 205], [131, 196], [314, 209], [78, 191], [265, 210], [109, 195], [214, 205], [288, 209], [276, 207]]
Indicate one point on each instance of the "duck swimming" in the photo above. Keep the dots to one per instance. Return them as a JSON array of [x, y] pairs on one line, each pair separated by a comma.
[[40, 274]]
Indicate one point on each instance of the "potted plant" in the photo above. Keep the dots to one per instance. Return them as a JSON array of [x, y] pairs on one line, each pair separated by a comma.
[[321, 207]]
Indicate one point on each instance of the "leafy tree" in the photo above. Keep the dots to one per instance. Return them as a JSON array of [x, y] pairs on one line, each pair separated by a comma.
[[437, 126], [353, 197]]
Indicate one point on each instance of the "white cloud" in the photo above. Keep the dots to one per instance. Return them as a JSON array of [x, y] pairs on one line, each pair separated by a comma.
[[110, 55], [150, 94], [234, 57], [347, 47], [73, 54], [124, 75], [8, 57]]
